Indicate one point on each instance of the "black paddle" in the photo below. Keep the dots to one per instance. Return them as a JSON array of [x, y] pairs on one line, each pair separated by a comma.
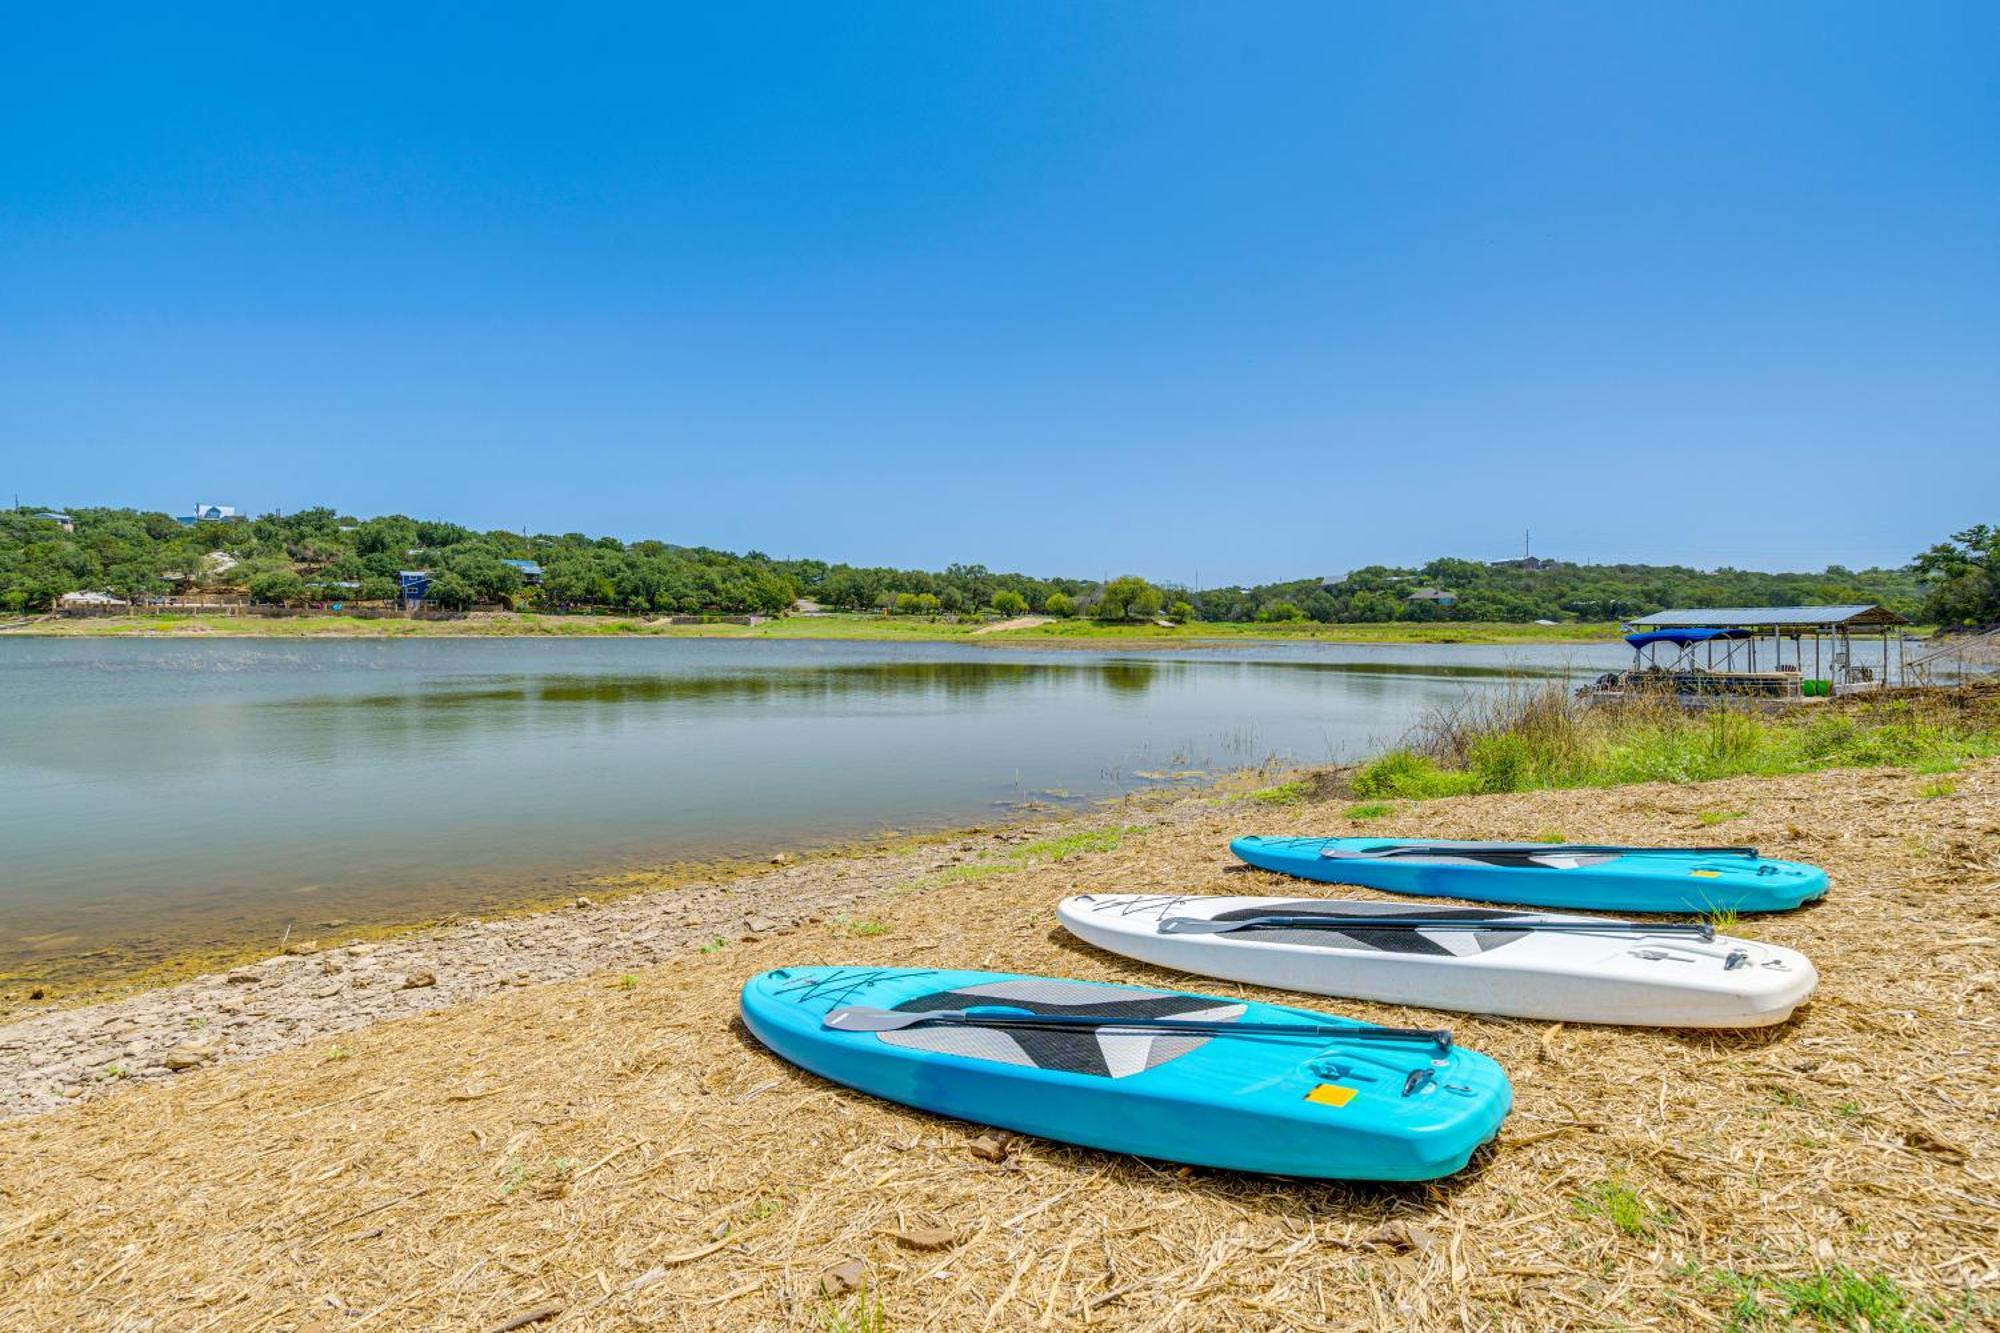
[[862, 1018], [1527, 849], [1200, 925]]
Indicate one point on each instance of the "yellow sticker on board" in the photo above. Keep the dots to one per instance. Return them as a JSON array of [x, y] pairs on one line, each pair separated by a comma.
[[1331, 1094], [1704, 874]]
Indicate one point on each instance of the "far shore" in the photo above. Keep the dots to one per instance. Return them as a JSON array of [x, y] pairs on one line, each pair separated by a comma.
[[851, 627]]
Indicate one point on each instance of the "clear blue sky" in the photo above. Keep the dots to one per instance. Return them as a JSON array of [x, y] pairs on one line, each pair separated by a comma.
[[1250, 290]]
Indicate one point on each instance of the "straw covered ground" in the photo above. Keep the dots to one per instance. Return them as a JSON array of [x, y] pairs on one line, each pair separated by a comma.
[[615, 1152]]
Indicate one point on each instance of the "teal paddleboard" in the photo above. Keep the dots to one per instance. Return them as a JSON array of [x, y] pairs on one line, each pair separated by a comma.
[[1402, 1105], [1591, 877]]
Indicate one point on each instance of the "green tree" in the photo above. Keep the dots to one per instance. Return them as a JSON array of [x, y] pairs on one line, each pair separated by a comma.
[[1060, 604], [1180, 609], [1127, 596], [1961, 578], [450, 590], [1009, 603], [278, 587]]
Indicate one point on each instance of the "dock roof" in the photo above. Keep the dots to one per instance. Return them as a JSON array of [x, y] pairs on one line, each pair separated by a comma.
[[1859, 616]]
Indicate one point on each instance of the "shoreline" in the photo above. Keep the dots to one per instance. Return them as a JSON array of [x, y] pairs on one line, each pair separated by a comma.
[[601, 1137], [63, 981], [56, 1043], [809, 629]]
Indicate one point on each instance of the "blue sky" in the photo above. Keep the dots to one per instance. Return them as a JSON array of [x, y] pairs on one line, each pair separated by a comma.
[[1221, 291]]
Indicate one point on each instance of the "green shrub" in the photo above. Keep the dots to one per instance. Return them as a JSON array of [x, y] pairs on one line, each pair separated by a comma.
[[1503, 761], [1407, 774]]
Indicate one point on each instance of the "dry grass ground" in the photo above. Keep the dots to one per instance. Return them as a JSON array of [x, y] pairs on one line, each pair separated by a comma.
[[616, 1152]]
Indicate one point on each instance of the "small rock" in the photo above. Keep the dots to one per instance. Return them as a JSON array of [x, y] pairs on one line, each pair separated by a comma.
[[926, 1238], [327, 992], [302, 948], [187, 1057], [759, 925], [37, 993], [581, 901], [72, 1091], [841, 1279], [242, 976], [329, 968], [988, 1148], [1401, 1237], [334, 924], [782, 859], [419, 981]]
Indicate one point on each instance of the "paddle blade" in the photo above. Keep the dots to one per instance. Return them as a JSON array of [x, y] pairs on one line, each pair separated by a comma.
[[862, 1018], [1197, 925]]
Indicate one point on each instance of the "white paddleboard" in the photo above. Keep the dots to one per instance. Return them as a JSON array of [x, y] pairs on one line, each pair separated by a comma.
[[1575, 969]]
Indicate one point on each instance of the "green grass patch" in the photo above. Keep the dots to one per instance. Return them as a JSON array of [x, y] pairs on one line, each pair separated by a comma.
[[1545, 739], [863, 1314], [1412, 777], [1368, 810], [1285, 793], [1622, 1206], [1064, 848], [1832, 1298], [1710, 818], [1931, 791], [1724, 921], [853, 929]]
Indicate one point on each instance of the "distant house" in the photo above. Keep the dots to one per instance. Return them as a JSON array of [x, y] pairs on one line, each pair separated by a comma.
[[1435, 596], [530, 572], [90, 599], [1530, 563], [212, 514], [63, 521], [412, 584]]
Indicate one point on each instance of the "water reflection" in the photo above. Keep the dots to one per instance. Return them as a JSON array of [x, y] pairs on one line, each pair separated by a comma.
[[233, 787]]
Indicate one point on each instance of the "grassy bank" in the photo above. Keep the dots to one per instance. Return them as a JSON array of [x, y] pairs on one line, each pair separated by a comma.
[[1544, 738], [895, 629], [613, 1150]]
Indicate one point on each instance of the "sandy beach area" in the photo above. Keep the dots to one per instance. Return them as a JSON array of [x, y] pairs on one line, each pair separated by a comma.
[[557, 1121]]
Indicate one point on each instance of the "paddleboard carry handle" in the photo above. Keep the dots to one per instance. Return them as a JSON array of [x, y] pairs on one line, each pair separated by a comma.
[[864, 1018], [1200, 925]]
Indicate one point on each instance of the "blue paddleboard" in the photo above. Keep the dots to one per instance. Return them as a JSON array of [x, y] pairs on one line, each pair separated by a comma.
[[1306, 1105], [1606, 879]]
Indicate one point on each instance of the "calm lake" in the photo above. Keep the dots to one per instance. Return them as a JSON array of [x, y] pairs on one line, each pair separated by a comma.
[[161, 795]]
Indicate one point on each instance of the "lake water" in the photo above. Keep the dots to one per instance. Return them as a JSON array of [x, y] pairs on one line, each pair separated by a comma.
[[158, 795]]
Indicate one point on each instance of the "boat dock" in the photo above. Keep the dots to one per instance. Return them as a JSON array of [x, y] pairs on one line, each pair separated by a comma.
[[1758, 655]]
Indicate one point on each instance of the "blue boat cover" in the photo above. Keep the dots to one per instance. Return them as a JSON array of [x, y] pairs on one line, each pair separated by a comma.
[[1684, 636]]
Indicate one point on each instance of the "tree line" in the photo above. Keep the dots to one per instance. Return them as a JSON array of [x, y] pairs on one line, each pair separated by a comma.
[[317, 556]]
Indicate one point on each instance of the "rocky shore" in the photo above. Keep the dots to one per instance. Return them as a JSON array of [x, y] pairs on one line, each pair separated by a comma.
[[317, 989]]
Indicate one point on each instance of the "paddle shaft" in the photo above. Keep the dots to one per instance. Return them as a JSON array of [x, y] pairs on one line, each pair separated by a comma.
[[1530, 849], [861, 1018], [1196, 925]]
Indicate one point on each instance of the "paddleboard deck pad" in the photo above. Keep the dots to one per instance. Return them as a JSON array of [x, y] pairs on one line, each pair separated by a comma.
[[1539, 965], [1309, 1105], [1637, 879]]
